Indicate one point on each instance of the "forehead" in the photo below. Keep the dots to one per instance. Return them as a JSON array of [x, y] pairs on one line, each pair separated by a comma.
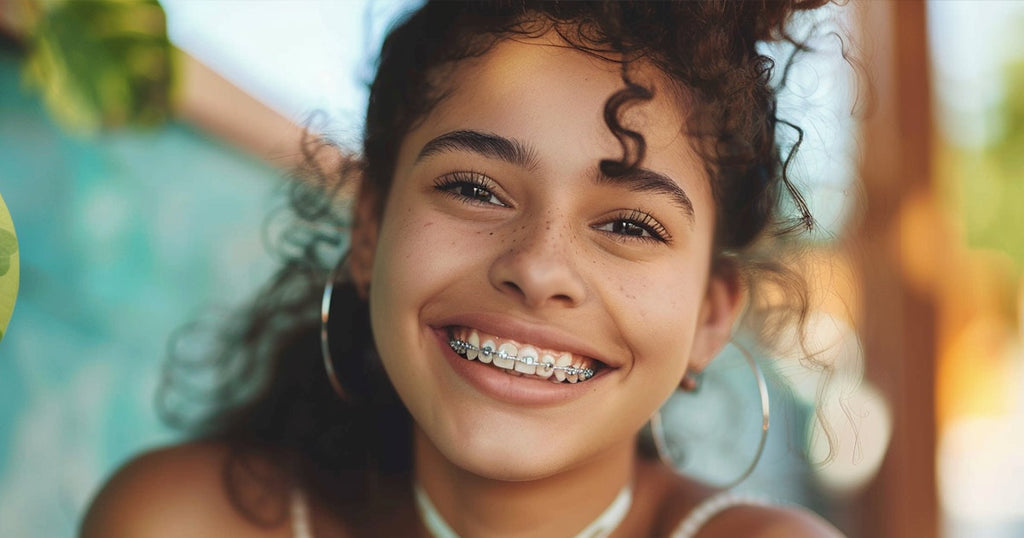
[[555, 79], [552, 96]]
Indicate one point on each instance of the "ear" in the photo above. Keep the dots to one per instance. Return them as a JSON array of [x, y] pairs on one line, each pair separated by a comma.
[[719, 310], [365, 228]]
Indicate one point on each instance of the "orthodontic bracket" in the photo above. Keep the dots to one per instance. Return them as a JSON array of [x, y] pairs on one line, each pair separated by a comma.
[[461, 346]]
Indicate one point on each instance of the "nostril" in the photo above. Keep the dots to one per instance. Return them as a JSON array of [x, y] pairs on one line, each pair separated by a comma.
[[561, 298], [513, 286]]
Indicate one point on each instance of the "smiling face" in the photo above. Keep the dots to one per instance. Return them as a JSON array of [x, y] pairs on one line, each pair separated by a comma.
[[500, 231]]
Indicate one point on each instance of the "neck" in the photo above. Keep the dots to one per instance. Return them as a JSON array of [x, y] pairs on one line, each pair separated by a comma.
[[558, 505]]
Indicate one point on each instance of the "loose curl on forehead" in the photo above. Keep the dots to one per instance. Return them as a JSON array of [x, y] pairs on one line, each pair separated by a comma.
[[708, 49]]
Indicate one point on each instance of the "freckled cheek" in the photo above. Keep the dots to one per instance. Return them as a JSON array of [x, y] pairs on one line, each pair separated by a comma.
[[660, 315], [419, 248]]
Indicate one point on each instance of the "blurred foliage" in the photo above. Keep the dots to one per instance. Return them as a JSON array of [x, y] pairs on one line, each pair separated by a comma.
[[991, 180], [100, 63], [8, 267], [8, 246], [1008, 149]]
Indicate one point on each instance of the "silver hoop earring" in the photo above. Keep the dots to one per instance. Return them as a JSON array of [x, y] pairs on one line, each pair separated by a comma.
[[661, 443], [325, 315]]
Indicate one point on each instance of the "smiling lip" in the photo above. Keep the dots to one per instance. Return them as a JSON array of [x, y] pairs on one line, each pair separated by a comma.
[[526, 390]]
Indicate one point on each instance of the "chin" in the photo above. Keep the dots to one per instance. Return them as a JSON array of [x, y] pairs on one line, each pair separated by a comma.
[[508, 465], [514, 451]]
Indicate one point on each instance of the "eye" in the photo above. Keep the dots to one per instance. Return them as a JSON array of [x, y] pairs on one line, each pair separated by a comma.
[[635, 225], [469, 186]]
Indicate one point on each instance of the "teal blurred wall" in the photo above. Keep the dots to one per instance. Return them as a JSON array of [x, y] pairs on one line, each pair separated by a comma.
[[124, 237]]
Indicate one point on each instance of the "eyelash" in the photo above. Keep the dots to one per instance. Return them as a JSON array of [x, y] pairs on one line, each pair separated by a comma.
[[635, 218], [448, 183], [642, 221]]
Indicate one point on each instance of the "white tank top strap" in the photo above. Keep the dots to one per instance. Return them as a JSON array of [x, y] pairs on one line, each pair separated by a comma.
[[709, 508], [301, 527]]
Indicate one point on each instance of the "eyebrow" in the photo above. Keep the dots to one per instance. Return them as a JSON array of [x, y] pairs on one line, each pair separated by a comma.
[[644, 180], [515, 152], [486, 144]]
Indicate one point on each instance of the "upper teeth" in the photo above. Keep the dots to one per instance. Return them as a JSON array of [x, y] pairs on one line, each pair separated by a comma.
[[524, 361]]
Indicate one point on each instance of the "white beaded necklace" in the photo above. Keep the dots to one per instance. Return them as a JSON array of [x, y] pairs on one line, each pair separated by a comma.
[[600, 527]]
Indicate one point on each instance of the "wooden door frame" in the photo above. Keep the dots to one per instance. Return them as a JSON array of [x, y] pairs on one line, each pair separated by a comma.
[[899, 325]]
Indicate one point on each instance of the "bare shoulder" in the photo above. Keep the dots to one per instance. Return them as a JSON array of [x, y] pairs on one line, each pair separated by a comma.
[[672, 498], [175, 491], [770, 522]]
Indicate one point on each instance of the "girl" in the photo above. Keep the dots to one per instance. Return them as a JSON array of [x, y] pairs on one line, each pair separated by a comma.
[[557, 205]]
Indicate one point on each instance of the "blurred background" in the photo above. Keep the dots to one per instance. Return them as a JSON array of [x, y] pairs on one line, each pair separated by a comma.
[[143, 146]]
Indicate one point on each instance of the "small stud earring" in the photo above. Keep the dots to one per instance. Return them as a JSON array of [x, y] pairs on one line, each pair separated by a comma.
[[691, 381]]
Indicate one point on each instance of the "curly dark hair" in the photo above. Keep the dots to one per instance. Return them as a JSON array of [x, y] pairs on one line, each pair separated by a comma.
[[268, 397]]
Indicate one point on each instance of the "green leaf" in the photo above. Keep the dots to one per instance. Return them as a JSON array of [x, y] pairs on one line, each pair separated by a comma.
[[8, 267], [103, 63], [8, 246]]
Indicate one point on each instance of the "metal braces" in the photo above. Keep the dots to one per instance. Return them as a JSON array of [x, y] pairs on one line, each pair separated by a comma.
[[461, 346]]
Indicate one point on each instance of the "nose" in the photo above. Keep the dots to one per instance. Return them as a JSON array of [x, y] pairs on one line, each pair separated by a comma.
[[539, 268]]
